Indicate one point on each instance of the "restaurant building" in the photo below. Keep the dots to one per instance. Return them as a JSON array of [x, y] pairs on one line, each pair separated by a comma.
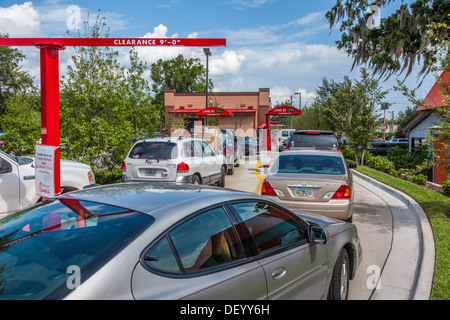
[[247, 109]]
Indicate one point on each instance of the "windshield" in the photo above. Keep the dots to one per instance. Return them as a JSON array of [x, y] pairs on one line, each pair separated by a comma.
[[154, 150], [308, 164], [40, 246], [313, 140]]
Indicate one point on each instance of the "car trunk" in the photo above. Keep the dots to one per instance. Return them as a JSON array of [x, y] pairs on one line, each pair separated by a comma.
[[154, 161], [305, 188], [164, 170]]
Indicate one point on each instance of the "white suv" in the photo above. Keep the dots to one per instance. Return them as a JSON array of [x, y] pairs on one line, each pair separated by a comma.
[[177, 159]]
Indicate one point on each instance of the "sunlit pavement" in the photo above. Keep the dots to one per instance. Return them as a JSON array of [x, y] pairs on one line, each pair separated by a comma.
[[397, 241]]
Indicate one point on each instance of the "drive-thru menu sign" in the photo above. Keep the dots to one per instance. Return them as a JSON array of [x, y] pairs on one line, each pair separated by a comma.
[[44, 164]]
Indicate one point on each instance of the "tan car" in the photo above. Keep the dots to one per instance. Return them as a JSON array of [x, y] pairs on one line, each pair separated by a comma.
[[314, 181]]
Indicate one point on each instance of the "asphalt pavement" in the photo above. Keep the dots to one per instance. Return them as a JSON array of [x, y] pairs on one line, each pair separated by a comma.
[[396, 237]]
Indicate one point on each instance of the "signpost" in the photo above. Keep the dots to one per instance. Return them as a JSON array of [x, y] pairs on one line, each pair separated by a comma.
[[279, 111], [49, 50]]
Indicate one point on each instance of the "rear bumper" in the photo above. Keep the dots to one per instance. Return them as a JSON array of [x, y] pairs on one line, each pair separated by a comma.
[[179, 179], [341, 209]]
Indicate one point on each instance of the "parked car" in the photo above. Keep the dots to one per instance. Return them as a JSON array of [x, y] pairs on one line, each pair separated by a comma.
[[17, 181], [314, 139], [174, 241], [230, 149], [313, 181], [379, 148], [284, 135], [175, 159]]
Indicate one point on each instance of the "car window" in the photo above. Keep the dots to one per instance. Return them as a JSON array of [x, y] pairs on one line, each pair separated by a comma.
[[308, 164], [207, 150], [270, 226], [207, 240], [299, 140], [188, 151], [39, 244], [198, 151], [161, 257], [154, 150]]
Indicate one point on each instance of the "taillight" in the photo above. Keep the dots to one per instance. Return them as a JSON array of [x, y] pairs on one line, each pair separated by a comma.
[[182, 167], [342, 193], [124, 166], [287, 148], [267, 189]]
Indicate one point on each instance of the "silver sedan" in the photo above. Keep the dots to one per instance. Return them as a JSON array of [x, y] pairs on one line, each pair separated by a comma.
[[314, 181], [171, 241]]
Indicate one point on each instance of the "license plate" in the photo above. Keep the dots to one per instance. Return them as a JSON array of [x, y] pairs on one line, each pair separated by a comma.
[[304, 192], [149, 172]]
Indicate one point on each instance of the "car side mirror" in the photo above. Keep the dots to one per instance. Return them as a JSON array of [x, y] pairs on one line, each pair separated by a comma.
[[317, 235], [352, 165]]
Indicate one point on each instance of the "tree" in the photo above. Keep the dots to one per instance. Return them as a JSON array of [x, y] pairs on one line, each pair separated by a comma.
[[12, 78], [402, 39], [179, 74], [353, 109], [21, 121], [103, 104]]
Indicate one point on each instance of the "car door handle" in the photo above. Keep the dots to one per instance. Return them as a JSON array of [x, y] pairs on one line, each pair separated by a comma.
[[278, 273], [28, 177]]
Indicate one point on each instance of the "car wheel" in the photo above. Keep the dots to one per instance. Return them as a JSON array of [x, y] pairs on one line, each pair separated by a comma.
[[195, 180], [223, 173], [340, 278]]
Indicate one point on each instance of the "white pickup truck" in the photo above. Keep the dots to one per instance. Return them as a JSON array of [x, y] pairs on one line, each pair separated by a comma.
[[17, 181]]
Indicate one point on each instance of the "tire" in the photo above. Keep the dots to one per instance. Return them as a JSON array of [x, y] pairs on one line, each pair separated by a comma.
[[223, 174], [196, 180], [231, 170], [340, 278]]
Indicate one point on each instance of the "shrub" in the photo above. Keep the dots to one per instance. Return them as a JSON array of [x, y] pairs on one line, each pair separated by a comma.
[[419, 179], [379, 163], [446, 186], [108, 176]]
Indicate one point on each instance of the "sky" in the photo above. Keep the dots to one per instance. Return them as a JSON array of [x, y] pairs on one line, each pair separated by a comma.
[[284, 45]]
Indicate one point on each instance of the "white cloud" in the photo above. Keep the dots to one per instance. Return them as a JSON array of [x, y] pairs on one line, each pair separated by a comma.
[[20, 20], [227, 63], [281, 94]]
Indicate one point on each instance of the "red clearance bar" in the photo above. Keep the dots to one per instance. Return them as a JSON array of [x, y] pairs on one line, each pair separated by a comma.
[[110, 42]]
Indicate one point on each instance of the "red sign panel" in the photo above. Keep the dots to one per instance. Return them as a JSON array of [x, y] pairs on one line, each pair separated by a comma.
[[284, 111], [138, 42], [214, 112]]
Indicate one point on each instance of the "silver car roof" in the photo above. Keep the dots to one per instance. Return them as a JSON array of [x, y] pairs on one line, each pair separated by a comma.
[[152, 197], [312, 152]]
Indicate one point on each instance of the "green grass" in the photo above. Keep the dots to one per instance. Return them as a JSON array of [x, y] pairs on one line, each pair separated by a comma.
[[437, 207]]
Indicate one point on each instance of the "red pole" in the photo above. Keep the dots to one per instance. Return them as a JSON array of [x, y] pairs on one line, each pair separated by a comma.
[[50, 104], [269, 142]]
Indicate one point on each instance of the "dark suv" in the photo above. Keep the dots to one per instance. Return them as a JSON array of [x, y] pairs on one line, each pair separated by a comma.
[[313, 139]]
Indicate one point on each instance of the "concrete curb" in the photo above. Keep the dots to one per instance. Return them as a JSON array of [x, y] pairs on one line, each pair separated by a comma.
[[422, 278]]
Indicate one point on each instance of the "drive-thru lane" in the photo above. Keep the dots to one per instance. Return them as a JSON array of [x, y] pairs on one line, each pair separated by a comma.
[[397, 242]]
